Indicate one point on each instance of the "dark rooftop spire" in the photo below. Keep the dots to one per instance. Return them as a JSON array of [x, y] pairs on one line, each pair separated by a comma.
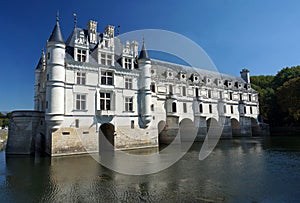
[[144, 53], [56, 33]]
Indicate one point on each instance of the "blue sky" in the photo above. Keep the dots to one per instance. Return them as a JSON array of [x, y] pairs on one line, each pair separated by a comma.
[[263, 36]]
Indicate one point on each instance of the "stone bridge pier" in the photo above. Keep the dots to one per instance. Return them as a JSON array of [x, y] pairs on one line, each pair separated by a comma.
[[22, 131]]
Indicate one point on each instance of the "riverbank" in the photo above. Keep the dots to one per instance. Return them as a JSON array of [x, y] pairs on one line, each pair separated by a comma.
[[3, 139]]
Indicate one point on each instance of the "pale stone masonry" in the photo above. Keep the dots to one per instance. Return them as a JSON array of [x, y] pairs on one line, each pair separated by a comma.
[[91, 87]]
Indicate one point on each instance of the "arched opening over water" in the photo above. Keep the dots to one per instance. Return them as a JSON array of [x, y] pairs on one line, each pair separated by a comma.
[[236, 128], [254, 127], [106, 136], [212, 126], [187, 130], [161, 133]]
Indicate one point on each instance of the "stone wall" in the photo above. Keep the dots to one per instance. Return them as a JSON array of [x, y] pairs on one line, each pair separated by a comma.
[[22, 131]]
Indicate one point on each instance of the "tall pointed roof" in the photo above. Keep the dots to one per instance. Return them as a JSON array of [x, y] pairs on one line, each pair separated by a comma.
[[56, 33], [144, 53]]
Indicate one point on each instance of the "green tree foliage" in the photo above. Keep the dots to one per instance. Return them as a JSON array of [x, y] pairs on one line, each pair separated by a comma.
[[279, 96], [288, 98], [285, 75]]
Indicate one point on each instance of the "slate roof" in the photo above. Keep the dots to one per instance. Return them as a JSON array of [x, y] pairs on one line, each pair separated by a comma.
[[161, 67], [144, 53], [56, 34]]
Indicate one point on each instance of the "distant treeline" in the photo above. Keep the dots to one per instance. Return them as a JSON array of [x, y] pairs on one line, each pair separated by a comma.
[[279, 97], [4, 119]]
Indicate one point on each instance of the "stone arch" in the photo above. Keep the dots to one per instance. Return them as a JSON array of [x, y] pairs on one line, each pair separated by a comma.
[[254, 127], [161, 132], [235, 126], [106, 136], [187, 130], [211, 123], [212, 126]]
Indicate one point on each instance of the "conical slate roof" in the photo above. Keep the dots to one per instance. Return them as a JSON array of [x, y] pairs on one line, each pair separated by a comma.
[[144, 53], [56, 34]]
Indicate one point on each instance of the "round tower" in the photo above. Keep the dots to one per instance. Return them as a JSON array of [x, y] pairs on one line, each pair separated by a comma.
[[55, 97], [38, 71], [144, 64]]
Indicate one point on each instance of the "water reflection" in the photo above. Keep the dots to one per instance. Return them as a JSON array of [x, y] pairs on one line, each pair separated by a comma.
[[238, 170]]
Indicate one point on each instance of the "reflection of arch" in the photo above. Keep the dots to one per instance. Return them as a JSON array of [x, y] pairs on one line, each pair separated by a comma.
[[236, 128], [254, 127], [107, 131], [187, 129]]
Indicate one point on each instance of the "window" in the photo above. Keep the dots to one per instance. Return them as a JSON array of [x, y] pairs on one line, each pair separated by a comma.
[[81, 78], [210, 108], [128, 104], [107, 78], [197, 92], [184, 108], [209, 93], [80, 102], [152, 87], [249, 97], [230, 95], [127, 63], [109, 60], [170, 89], [174, 109], [183, 91], [201, 108], [76, 123], [224, 108], [152, 107], [220, 95], [106, 59], [251, 110], [132, 124], [105, 101], [47, 77], [46, 104], [128, 83], [81, 55], [48, 55], [245, 110], [241, 97], [231, 109]]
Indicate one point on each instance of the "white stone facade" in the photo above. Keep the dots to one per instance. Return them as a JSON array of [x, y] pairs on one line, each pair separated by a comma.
[[91, 84]]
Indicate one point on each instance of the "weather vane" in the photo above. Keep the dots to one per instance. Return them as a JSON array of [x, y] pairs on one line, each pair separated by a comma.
[[75, 19]]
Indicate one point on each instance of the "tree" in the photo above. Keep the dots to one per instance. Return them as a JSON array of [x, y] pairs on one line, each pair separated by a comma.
[[288, 98]]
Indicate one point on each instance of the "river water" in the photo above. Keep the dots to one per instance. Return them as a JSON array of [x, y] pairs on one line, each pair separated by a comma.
[[238, 170]]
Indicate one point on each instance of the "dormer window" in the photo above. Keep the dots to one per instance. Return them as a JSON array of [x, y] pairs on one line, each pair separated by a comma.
[[195, 78], [81, 55], [182, 76], [127, 63], [106, 59]]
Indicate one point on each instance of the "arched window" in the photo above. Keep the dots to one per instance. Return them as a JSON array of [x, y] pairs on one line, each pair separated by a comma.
[[174, 109], [200, 108]]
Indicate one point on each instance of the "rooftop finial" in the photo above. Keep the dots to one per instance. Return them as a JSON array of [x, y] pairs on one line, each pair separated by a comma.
[[75, 20], [143, 39], [57, 16]]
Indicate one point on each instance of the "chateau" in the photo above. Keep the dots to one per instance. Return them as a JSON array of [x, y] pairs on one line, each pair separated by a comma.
[[85, 93]]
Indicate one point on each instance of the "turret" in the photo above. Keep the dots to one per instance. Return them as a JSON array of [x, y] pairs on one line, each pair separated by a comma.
[[245, 75], [55, 78], [39, 69], [144, 64]]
